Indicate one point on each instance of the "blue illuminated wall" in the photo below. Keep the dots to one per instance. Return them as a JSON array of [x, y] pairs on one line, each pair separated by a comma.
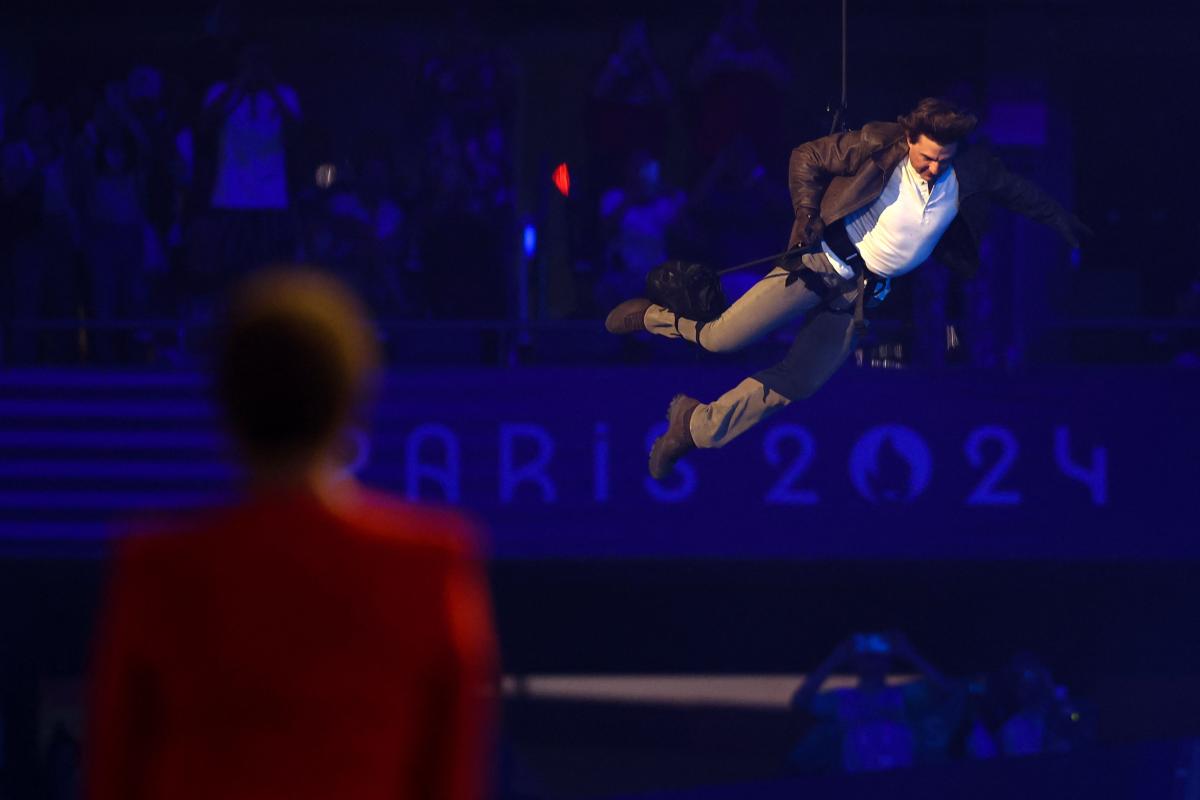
[[880, 464]]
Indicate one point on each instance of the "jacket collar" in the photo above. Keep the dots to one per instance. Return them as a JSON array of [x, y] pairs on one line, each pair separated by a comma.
[[888, 158]]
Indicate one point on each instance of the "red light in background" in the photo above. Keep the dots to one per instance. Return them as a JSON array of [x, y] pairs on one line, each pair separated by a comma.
[[562, 179]]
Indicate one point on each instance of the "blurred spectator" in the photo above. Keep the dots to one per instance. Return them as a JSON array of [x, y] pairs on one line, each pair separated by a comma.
[[364, 234], [468, 239], [147, 109], [1020, 711], [1036, 715], [740, 84], [467, 242], [469, 78], [875, 726], [631, 103], [976, 739], [635, 218], [117, 235], [733, 215], [20, 225], [244, 150], [313, 639], [39, 233]]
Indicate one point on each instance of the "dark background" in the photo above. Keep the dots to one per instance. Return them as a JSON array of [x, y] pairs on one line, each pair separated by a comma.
[[1116, 82], [1113, 79]]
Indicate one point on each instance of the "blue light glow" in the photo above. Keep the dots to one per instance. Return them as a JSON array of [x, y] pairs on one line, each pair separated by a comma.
[[529, 240]]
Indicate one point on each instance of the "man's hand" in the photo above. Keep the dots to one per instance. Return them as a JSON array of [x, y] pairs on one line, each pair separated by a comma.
[[813, 228], [1072, 230]]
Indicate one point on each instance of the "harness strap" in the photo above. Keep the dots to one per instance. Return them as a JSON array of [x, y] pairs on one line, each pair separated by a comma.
[[699, 327], [860, 323], [839, 242]]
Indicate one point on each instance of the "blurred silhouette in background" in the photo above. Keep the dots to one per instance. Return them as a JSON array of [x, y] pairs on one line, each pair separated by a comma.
[[313, 639], [875, 725], [1021, 711], [466, 218], [740, 84], [635, 219], [247, 134], [631, 103]]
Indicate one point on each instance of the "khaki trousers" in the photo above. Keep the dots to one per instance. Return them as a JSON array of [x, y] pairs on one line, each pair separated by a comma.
[[824, 341]]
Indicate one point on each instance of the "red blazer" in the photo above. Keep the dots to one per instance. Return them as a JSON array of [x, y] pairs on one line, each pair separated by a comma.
[[293, 648]]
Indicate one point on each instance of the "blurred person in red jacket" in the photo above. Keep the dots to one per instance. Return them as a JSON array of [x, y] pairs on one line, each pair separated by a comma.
[[314, 639]]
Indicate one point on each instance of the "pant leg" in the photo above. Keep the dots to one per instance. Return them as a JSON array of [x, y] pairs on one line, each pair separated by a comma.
[[821, 346], [733, 413], [771, 302]]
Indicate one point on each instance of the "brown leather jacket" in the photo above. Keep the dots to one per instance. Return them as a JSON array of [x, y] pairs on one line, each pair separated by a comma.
[[844, 172]]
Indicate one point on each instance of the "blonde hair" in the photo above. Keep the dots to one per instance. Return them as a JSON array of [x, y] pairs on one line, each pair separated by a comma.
[[297, 359]]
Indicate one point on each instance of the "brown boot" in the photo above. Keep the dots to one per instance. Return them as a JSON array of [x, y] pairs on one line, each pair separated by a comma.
[[677, 441], [628, 317]]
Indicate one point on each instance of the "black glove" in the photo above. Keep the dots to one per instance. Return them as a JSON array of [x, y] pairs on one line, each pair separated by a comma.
[[1072, 229], [813, 228]]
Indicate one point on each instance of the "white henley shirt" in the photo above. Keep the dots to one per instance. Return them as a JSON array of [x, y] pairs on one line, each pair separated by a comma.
[[898, 231]]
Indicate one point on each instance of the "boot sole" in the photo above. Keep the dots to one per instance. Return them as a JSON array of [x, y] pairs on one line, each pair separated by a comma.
[[665, 469]]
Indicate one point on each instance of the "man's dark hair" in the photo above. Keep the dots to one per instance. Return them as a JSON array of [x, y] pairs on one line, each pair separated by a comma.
[[941, 120], [295, 362]]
